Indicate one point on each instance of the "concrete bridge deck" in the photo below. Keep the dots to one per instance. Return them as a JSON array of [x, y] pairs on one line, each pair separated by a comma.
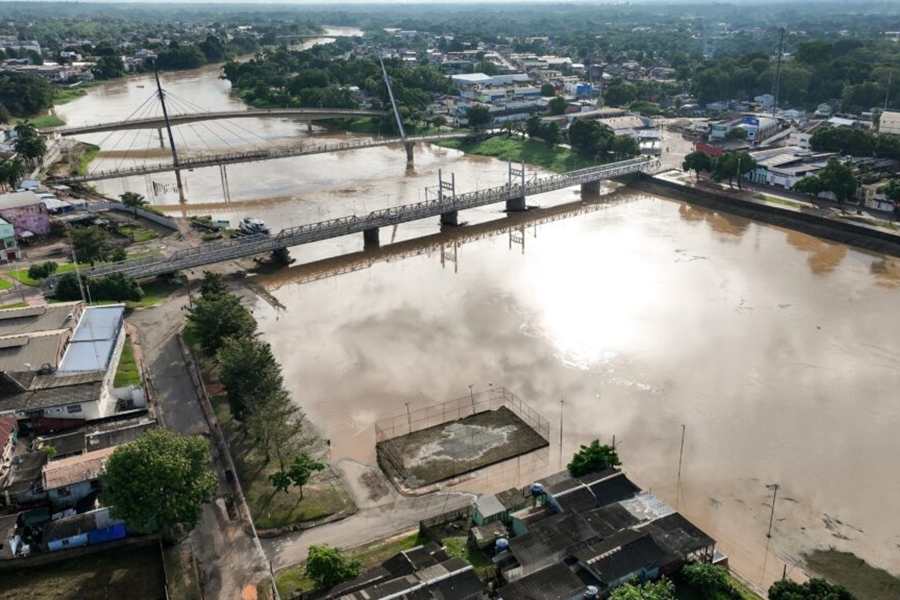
[[199, 162], [302, 114], [512, 194]]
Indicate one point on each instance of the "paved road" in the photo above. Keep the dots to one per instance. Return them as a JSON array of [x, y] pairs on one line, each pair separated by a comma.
[[386, 514], [228, 557]]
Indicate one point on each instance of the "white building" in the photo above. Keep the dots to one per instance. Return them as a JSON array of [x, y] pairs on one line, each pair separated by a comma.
[[890, 122]]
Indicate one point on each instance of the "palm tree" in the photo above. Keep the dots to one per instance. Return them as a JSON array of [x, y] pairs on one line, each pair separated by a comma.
[[11, 172], [134, 200], [25, 130], [32, 148]]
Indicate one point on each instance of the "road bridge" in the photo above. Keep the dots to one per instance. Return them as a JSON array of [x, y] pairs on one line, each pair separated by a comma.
[[301, 114], [447, 208], [215, 160]]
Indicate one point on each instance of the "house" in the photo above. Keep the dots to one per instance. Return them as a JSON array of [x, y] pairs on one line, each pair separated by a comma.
[[10, 540], [26, 213], [556, 582], [86, 529], [9, 430], [890, 122], [69, 480], [22, 482], [9, 248]]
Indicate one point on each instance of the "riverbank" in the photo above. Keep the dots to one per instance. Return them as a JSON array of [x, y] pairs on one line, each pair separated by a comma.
[[514, 148], [744, 205]]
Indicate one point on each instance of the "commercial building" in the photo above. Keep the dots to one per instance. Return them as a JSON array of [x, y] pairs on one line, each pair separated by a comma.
[[890, 122], [26, 213]]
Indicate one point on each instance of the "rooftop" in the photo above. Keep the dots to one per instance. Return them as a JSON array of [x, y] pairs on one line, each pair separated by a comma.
[[18, 200], [30, 352], [94, 340], [552, 583], [68, 471], [8, 426], [44, 391], [22, 475]]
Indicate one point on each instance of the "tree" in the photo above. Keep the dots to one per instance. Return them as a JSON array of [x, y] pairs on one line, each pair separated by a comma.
[[814, 589], [90, 244], [11, 172], [249, 372], [706, 579], [276, 424], [593, 458], [280, 481], [133, 200], [213, 284], [25, 94], [31, 148], [892, 191], [811, 185], [625, 146], [697, 161], [547, 90], [736, 133], [220, 317], [301, 470], [161, 479], [328, 566], [109, 67], [838, 178], [661, 590], [25, 130], [42, 270], [479, 116], [557, 105], [732, 165]]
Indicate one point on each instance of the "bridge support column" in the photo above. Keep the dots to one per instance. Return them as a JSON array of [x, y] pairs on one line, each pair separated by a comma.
[[162, 143], [450, 218], [370, 238], [516, 204], [409, 153], [178, 182], [309, 126], [591, 187]]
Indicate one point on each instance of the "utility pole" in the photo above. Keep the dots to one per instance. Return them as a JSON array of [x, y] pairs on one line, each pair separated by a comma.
[[776, 84], [680, 458], [772, 515], [562, 405], [162, 101]]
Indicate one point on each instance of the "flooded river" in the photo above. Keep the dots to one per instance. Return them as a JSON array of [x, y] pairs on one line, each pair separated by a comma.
[[776, 352]]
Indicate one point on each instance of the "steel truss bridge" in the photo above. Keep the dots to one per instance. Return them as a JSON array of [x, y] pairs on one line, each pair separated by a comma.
[[304, 234]]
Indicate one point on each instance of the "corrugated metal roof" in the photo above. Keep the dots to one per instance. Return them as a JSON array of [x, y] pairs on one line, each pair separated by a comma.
[[37, 350], [94, 340], [35, 319], [67, 471], [99, 323], [18, 200]]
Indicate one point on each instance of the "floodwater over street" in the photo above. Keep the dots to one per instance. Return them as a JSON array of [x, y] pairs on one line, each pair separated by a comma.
[[776, 353]]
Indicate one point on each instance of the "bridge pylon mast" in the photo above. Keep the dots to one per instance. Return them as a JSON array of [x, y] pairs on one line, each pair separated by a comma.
[[387, 83], [162, 102]]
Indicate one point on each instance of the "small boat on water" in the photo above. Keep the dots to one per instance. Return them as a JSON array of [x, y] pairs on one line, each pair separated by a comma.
[[251, 226]]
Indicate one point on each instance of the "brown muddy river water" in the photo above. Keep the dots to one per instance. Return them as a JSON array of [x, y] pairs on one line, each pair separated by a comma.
[[777, 352]]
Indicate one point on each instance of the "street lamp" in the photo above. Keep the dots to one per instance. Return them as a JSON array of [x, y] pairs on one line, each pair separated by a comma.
[[472, 397]]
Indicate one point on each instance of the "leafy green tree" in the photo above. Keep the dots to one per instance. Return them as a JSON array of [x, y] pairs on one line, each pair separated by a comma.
[[547, 90], [109, 67], [625, 146], [479, 117], [118, 287], [32, 149], [276, 424], [660, 590], [133, 200], [42, 270], [160, 479], [620, 93], [811, 185], [280, 481], [301, 470], [90, 244], [697, 161], [213, 284], [814, 589], [220, 317], [838, 178], [736, 133], [892, 191], [557, 105], [593, 458], [733, 165], [11, 172], [328, 567], [24, 94], [706, 579], [25, 130]]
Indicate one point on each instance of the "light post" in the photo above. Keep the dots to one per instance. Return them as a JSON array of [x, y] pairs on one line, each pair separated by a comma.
[[472, 397]]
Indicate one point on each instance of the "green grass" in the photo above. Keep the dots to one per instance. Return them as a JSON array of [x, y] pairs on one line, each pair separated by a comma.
[[137, 233], [782, 201], [133, 573], [155, 292], [127, 373], [14, 305], [5, 285], [458, 546], [293, 580], [22, 274], [64, 95], [862, 580], [517, 150], [183, 584], [684, 592], [44, 121], [89, 153]]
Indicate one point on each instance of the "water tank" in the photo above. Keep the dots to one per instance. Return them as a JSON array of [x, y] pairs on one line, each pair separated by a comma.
[[537, 489], [591, 593], [501, 546]]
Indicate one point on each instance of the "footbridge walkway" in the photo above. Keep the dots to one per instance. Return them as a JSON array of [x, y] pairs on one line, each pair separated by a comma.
[[513, 194], [215, 160], [302, 114]]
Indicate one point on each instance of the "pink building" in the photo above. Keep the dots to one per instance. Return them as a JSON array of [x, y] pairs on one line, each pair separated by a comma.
[[26, 213]]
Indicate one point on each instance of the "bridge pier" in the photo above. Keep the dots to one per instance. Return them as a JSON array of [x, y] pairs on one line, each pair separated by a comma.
[[370, 238], [409, 153], [162, 143], [516, 204], [450, 218], [309, 126], [591, 187]]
